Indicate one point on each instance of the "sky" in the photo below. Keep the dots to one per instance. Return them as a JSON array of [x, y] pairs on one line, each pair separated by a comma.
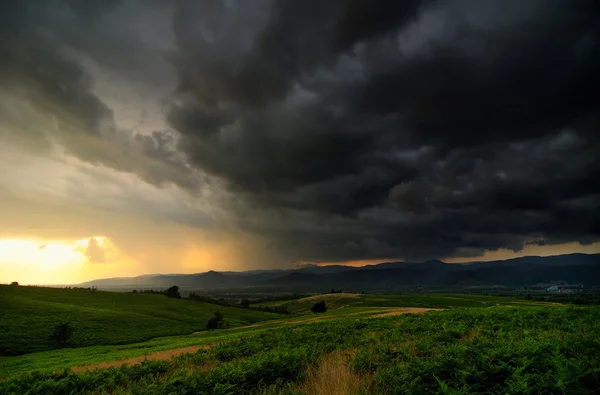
[[151, 136]]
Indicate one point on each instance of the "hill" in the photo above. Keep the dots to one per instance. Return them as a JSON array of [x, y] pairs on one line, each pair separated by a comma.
[[581, 269], [28, 315], [443, 301], [465, 350]]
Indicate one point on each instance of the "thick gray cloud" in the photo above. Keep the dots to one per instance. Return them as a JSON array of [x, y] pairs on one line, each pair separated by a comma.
[[42, 48], [353, 129]]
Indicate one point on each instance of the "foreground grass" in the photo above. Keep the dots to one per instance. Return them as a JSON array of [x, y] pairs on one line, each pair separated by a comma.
[[28, 314], [72, 357], [444, 301], [492, 350]]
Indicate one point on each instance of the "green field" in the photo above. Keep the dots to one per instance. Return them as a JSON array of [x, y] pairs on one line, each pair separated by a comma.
[[362, 344], [443, 301], [493, 350], [28, 315], [65, 358]]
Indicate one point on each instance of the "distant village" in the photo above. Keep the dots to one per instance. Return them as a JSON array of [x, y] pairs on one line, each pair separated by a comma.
[[565, 288]]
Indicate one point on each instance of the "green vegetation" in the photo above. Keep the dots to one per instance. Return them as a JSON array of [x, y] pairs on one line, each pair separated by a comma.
[[361, 344], [216, 322], [319, 307], [62, 333], [495, 350], [65, 358], [443, 301], [29, 316]]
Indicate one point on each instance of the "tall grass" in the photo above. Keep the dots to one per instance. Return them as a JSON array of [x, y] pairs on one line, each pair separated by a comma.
[[332, 376]]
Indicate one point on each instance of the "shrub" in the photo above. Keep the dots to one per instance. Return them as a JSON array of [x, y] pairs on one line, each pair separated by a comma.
[[319, 307], [14, 283], [245, 304], [62, 333], [173, 292], [215, 322]]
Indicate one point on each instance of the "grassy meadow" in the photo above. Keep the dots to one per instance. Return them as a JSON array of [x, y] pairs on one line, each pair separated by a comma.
[[480, 350], [442, 301], [28, 314], [372, 345]]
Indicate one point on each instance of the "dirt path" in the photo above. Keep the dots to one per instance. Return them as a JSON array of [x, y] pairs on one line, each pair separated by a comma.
[[327, 296], [168, 354], [408, 310], [156, 356]]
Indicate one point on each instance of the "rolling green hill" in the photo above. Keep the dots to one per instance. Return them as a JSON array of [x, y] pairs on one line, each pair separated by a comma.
[[29, 314], [444, 301], [496, 350], [363, 344]]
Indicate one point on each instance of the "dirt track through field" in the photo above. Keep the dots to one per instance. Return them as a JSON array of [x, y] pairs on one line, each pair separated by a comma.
[[168, 354], [156, 356], [408, 310]]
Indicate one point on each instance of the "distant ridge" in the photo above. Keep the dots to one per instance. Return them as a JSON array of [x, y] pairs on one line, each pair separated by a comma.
[[529, 270]]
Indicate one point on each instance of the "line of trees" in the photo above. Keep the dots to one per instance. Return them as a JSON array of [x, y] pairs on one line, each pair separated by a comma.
[[203, 298], [172, 292]]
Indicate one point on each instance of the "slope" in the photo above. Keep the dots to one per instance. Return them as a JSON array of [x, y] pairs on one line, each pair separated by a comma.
[[28, 315], [480, 350], [444, 301]]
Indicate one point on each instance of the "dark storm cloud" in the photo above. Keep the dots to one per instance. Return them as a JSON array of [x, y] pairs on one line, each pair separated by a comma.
[[414, 129], [351, 129], [480, 84], [53, 83], [41, 47], [32, 65], [252, 53]]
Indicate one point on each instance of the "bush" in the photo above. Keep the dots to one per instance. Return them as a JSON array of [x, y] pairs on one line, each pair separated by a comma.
[[319, 307], [215, 322], [14, 283], [173, 292], [245, 304], [62, 333]]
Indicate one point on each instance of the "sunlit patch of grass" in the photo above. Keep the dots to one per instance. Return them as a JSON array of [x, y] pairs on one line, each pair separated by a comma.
[[332, 376]]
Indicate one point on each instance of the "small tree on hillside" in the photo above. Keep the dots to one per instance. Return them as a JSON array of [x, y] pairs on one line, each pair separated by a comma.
[[215, 322], [14, 283], [173, 292], [62, 333], [245, 303], [319, 307]]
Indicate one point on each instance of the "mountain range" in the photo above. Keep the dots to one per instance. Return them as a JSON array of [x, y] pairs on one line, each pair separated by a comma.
[[581, 269]]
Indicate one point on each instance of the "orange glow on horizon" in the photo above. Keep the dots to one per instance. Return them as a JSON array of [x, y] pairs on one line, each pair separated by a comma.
[[529, 250], [360, 262]]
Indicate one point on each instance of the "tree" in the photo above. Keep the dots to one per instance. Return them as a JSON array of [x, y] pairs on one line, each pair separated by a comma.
[[14, 283], [319, 307], [173, 292], [245, 303], [62, 333], [215, 322]]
